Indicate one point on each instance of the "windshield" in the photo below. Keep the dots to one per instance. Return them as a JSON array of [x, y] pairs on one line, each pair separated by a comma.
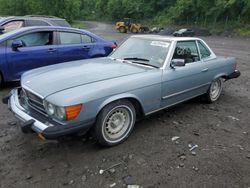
[[183, 30], [136, 50]]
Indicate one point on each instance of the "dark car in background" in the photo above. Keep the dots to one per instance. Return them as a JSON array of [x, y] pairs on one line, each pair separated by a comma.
[[10, 23], [31, 47], [184, 33]]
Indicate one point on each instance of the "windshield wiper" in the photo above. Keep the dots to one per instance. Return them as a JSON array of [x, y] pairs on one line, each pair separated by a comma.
[[136, 59], [141, 63]]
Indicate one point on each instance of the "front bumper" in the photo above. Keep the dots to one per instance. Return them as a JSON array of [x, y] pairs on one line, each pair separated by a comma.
[[235, 74], [46, 129]]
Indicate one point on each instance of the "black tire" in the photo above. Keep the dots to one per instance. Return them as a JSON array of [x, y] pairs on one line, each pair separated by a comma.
[[1, 79], [116, 118], [212, 95]]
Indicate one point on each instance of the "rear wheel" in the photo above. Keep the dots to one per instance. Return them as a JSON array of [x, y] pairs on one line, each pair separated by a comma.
[[214, 91], [115, 123]]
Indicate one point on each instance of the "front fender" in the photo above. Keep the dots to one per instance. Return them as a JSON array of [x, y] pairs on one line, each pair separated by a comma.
[[118, 97], [220, 75]]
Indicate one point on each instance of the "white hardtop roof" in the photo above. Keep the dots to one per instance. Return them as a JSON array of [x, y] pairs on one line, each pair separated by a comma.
[[165, 38]]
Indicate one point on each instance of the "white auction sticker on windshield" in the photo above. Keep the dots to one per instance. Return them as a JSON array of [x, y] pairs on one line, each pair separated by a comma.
[[160, 43]]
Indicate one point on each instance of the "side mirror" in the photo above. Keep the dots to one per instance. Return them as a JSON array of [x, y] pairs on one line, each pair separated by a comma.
[[1, 29], [178, 63], [17, 44]]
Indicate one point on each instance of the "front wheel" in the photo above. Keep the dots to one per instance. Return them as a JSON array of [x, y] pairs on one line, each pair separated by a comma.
[[115, 123], [214, 90]]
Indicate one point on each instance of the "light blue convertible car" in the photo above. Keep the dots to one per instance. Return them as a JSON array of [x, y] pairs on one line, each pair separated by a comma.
[[145, 74]]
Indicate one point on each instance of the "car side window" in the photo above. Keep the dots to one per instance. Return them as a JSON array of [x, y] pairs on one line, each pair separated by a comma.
[[186, 50], [36, 23], [70, 38], [204, 51], [86, 39], [13, 25], [37, 39]]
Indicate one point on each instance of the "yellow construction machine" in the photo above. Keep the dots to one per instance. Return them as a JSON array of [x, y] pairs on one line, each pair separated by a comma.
[[127, 25]]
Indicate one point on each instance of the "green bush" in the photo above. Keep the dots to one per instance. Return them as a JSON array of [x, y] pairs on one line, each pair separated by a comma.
[[244, 31], [218, 15]]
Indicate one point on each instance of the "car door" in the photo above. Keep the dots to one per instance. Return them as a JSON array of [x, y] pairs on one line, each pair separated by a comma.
[[212, 66], [37, 50], [182, 83], [71, 46]]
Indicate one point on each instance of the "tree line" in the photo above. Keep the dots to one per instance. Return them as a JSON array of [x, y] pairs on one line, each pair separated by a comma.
[[199, 12]]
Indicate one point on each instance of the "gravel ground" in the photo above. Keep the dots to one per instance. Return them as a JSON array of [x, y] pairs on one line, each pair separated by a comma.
[[149, 158]]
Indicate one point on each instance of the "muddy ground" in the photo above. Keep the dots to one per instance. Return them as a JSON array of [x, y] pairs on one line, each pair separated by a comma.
[[149, 157]]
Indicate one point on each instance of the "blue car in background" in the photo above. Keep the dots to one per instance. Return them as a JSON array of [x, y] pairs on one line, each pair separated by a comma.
[[32, 47]]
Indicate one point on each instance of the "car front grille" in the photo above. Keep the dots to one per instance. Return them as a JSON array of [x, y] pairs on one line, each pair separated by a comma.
[[34, 101]]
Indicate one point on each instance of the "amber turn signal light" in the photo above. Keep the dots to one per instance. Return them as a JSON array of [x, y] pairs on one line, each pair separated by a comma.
[[72, 112]]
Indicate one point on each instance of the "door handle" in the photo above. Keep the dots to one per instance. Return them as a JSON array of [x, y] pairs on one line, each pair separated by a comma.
[[51, 50], [204, 70], [86, 47]]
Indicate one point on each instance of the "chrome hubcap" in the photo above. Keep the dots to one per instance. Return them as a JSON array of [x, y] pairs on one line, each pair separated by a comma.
[[117, 123], [215, 89]]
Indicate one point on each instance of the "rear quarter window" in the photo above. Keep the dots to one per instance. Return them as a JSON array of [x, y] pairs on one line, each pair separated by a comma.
[[204, 51]]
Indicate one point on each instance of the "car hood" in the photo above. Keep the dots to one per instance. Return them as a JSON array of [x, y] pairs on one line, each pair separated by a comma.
[[51, 79]]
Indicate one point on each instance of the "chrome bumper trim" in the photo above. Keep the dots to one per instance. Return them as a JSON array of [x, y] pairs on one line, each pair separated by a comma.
[[20, 113]]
